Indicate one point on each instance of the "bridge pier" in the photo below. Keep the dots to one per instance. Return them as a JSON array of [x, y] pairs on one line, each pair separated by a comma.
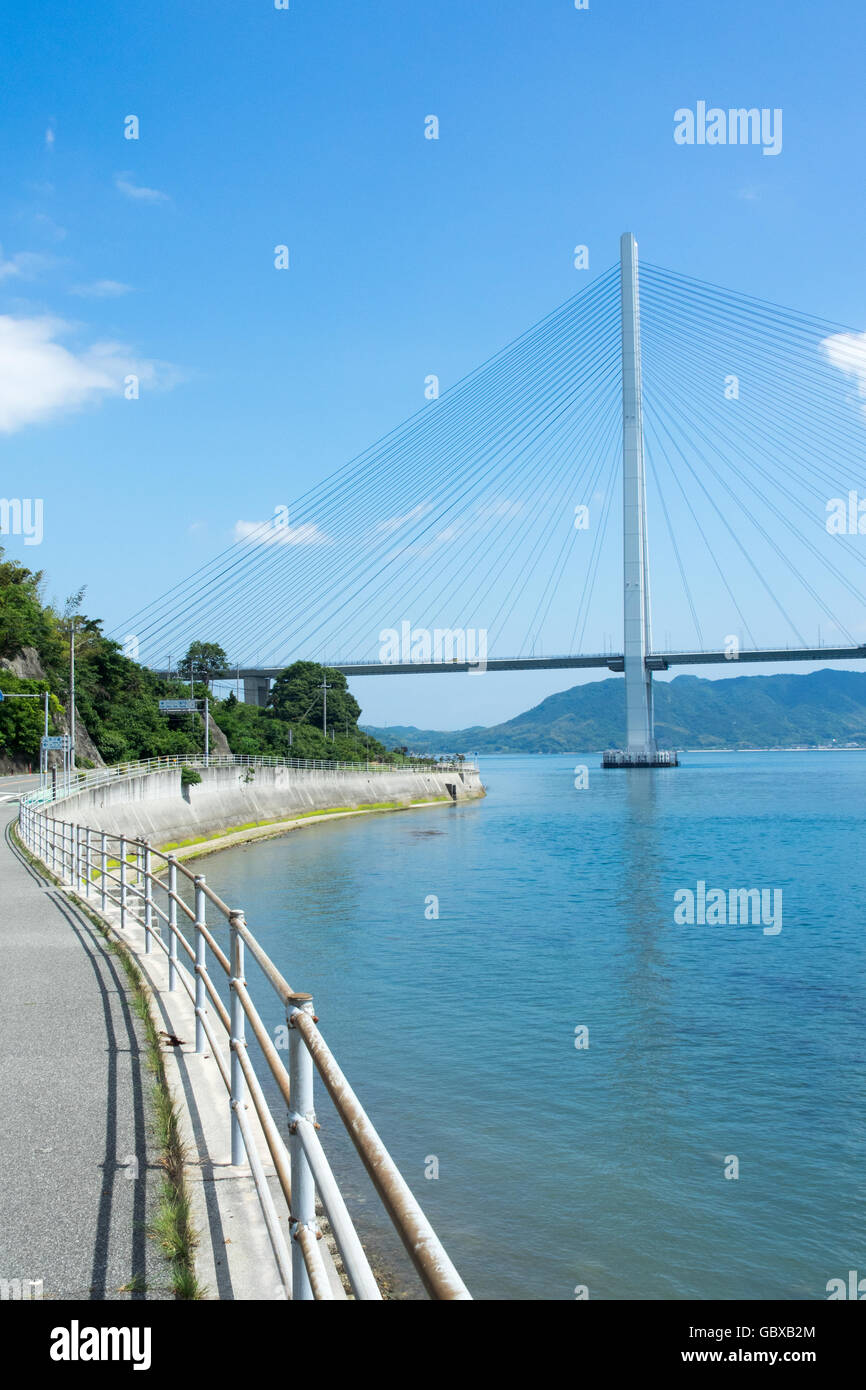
[[256, 690]]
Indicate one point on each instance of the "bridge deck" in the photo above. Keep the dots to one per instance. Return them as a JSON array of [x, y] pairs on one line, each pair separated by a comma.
[[612, 661]]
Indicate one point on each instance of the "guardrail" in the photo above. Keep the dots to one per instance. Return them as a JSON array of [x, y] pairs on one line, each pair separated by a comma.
[[100, 776], [128, 883]]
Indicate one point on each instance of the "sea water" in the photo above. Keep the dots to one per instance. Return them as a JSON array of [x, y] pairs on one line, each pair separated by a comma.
[[588, 1096]]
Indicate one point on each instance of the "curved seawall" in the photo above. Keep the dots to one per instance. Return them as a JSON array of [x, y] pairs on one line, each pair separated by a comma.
[[156, 807]]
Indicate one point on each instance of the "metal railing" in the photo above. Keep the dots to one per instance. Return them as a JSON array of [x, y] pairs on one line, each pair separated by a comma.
[[128, 883], [101, 776]]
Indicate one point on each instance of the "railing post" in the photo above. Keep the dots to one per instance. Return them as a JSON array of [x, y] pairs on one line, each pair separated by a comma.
[[239, 1153], [139, 856], [200, 962], [76, 857], [303, 1187], [148, 901], [103, 868], [87, 860], [122, 884], [172, 924]]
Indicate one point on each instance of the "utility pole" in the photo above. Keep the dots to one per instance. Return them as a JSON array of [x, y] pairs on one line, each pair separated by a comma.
[[72, 693], [324, 687]]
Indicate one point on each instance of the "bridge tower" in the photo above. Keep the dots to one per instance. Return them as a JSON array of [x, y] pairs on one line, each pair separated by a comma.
[[641, 749]]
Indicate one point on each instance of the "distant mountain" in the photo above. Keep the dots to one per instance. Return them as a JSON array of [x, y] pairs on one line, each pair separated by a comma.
[[823, 708]]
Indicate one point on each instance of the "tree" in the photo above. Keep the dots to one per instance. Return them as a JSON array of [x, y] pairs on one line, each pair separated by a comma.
[[23, 620], [21, 721], [297, 697], [208, 660]]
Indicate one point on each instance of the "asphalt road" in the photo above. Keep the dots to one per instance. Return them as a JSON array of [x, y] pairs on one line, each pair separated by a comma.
[[79, 1174], [14, 784]]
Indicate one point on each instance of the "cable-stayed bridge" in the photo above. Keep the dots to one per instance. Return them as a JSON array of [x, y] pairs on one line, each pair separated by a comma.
[[730, 429]]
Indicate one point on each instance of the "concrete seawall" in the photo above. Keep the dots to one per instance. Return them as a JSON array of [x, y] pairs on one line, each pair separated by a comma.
[[155, 806]]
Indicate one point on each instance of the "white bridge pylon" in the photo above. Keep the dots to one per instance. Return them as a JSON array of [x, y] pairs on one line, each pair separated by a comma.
[[641, 749]]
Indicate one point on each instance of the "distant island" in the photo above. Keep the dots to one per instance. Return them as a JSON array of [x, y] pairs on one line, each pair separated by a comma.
[[822, 709]]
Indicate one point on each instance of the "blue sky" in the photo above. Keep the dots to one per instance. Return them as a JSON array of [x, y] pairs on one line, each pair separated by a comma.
[[261, 127]]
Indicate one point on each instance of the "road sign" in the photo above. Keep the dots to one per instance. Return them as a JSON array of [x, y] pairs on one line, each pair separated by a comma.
[[176, 706], [55, 741]]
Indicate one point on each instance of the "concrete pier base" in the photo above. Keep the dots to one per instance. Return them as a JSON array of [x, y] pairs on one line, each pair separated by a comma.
[[615, 757]]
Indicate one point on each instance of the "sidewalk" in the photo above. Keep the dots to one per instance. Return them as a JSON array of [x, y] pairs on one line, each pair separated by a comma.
[[79, 1176]]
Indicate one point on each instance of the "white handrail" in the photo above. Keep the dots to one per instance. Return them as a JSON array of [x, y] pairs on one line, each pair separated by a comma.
[[102, 776]]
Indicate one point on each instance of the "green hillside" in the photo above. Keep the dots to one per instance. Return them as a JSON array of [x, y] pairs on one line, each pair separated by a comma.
[[784, 711], [117, 700]]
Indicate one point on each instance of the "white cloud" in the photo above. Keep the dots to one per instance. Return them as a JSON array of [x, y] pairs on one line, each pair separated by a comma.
[[395, 522], [49, 138], [101, 289], [496, 511], [137, 191], [40, 378], [23, 265], [49, 227], [847, 352], [271, 533]]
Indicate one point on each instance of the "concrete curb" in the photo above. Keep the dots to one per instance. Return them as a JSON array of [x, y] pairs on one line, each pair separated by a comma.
[[284, 827]]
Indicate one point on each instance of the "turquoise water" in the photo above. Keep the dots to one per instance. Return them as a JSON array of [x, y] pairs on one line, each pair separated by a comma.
[[602, 1166]]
